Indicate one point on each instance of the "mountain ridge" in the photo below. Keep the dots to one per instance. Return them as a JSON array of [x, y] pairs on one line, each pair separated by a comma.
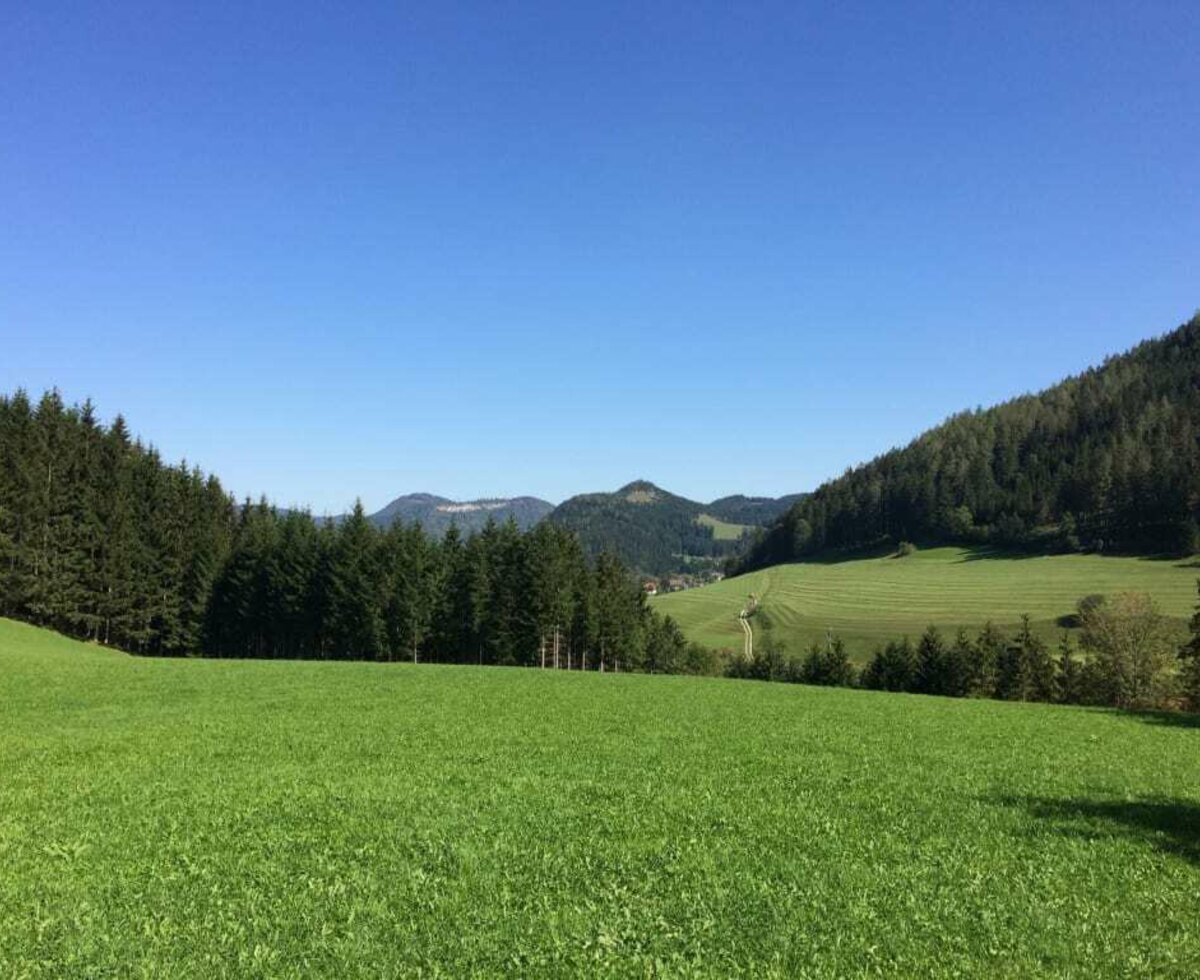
[[435, 513]]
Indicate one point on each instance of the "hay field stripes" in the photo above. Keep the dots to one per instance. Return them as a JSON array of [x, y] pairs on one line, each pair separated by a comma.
[[870, 600]]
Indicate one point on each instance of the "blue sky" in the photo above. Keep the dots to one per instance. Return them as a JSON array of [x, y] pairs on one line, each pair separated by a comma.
[[330, 251]]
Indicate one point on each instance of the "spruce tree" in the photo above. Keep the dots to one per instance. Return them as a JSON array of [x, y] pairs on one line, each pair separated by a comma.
[[931, 663], [1069, 682], [893, 668], [1190, 653], [959, 665], [984, 674], [355, 627]]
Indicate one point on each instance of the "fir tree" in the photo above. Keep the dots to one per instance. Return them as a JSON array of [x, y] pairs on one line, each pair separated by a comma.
[[893, 668], [355, 627], [1191, 660], [931, 663], [1069, 682]]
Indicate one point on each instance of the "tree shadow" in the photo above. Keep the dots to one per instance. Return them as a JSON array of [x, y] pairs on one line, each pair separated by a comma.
[[993, 553], [1171, 719], [1179, 561], [1170, 825]]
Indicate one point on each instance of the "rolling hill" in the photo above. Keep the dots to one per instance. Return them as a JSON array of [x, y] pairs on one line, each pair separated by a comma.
[[190, 817], [867, 601], [1107, 460], [656, 532]]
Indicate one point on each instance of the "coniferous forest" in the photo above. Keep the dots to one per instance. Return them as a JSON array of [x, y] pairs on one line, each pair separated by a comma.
[[102, 540], [1108, 460]]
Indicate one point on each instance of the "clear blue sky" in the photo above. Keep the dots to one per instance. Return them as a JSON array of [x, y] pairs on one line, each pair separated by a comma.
[[344, 250]]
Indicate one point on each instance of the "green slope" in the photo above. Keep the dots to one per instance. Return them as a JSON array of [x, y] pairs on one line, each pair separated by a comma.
[[224, 818], [870, 600], [723, 530]]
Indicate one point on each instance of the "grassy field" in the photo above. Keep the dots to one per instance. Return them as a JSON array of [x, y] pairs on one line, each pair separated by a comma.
[[871, 600], [723, 530], [219, 818]]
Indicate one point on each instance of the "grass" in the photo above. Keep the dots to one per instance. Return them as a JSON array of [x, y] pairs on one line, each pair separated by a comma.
[[723, 530], [870, 600], [221, 818]]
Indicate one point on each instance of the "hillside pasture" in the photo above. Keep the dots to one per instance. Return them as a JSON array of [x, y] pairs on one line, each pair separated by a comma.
[[723, 530], [868, 601], [233, 818]]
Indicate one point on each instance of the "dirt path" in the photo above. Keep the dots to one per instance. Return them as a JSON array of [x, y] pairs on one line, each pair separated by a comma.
[[748, 644]]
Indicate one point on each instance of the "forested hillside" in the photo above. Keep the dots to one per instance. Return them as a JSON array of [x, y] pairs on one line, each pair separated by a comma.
[[1108, 460], [761, 511], [657, 532], [102, 540]]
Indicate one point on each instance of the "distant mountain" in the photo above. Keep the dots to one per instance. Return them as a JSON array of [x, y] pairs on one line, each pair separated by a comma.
[[436, 514], [653, 531], [657, 532]]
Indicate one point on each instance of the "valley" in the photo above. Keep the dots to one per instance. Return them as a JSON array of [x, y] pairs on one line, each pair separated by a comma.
[[868, 601]]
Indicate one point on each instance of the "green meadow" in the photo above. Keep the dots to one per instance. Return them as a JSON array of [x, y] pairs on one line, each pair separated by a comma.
[[285, 819], [723, 530], [868, 601]]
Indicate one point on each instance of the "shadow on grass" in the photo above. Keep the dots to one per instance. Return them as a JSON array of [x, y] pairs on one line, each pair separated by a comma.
[[1179, 561], [854, 554], [991, 552], [1171, 719], [981, 552], [1170, 825], [987, 553]]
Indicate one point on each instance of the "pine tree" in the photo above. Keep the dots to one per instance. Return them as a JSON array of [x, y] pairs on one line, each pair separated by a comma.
[[1191, 660], [839, 670], [291, 573], [811, 670], [478, 574], [412, 578], [931, 663], [893, 668], [617, 601], [451, 626], [1040, 665], [984, 673], [1026, 670], [20, 490], [355, 627], [88, 531], [1069, 682], [117, 566]]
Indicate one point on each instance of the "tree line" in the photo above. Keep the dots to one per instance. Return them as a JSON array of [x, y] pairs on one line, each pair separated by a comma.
[[1128, 657], [1107, 460], [100, 539]]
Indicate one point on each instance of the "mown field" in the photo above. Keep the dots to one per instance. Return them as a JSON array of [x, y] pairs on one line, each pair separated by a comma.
[[220, 818], [723, 530], [871, 600]]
